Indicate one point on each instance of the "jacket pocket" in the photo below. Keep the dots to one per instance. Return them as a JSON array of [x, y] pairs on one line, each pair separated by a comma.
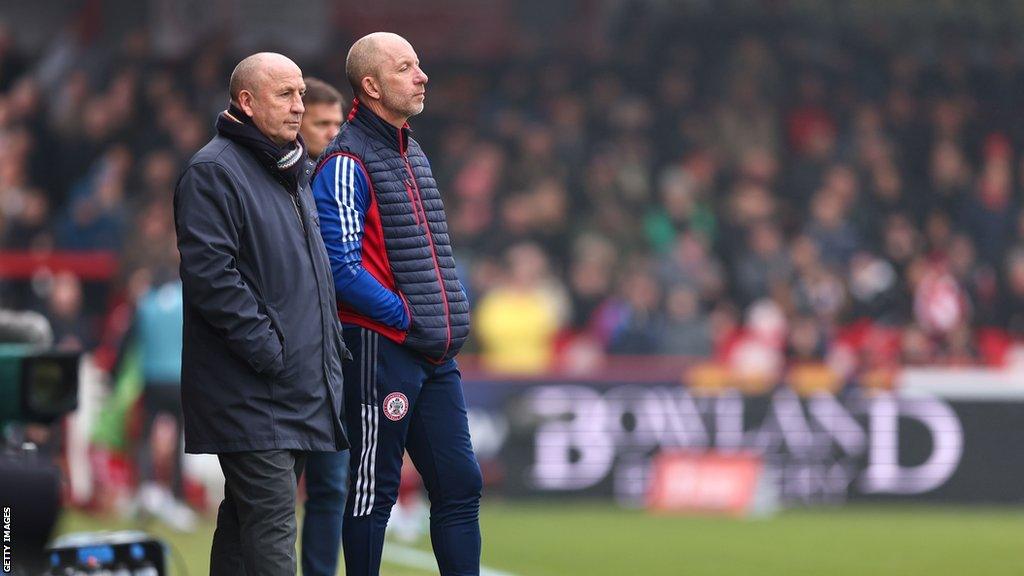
[[276, 324], [408, 309]]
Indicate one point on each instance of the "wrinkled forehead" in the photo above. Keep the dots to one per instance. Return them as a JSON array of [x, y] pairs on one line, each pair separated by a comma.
[[283, 74]]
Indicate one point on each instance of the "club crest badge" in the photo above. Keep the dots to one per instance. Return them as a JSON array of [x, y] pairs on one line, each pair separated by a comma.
[[396, 406]]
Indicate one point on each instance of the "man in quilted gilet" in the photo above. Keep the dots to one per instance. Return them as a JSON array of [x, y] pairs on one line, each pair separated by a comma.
[[404, 313]]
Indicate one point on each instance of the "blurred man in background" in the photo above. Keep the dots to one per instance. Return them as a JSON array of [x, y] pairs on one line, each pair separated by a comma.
[[326, 472], [384, 224], [322, 118], [261, 360]]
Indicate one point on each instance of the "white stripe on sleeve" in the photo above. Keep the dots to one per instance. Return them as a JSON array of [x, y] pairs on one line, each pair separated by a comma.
[[345, 198]]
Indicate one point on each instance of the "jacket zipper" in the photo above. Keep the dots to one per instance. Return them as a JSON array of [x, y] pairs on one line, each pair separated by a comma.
[[433, 253], [298, 213], [412, 200]]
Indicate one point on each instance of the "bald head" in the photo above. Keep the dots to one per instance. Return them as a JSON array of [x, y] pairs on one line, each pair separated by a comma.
[[252, 71], [385, 75], [268, 88], [366, 56]]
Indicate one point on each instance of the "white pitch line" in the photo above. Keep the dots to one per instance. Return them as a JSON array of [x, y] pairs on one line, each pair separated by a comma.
[[415, 558]]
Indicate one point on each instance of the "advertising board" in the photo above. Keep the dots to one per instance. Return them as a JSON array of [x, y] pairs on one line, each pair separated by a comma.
[[598, 439]]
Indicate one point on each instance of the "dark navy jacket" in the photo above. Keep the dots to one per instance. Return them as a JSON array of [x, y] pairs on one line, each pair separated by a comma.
[[261, 360], [385, 230]]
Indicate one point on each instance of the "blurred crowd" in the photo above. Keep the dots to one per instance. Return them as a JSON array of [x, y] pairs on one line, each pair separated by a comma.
[[756, 196]]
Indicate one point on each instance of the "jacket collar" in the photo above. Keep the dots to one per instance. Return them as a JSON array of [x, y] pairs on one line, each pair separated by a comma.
[[397, 138]]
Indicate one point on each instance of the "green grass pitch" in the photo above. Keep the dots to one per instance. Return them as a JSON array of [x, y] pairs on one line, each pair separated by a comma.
[[596, 539]]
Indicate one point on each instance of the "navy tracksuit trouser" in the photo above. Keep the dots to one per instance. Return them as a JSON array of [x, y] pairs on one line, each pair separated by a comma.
[[326, 492], [396, 401]]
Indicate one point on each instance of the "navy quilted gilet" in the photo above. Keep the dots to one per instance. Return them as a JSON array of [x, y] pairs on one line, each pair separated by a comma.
[[415, 231]]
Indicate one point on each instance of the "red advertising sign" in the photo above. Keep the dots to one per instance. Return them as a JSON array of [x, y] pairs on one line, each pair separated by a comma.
[[704, 482]]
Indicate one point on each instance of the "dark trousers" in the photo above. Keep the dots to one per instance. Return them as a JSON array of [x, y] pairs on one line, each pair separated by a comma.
[[256, 521], [160, 398], [326, 489], [397, 401]]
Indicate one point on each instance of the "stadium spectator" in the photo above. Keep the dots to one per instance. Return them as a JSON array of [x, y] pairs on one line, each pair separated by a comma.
[[989, 214], [636, 311], [687, 331], [518, 320], [64, 311], [95, 217], [1012, 305], [764, 268], [830, 230], [27, 225]]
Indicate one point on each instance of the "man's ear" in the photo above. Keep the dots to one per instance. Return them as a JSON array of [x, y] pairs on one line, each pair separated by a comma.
[[371, 88], [245, 99]]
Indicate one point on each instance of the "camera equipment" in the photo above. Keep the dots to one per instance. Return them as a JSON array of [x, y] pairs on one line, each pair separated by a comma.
[[30, 490], [36, 386], [125, 553]]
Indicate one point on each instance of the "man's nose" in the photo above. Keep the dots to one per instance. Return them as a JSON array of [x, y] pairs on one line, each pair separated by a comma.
[[297, 106], [423, 78]]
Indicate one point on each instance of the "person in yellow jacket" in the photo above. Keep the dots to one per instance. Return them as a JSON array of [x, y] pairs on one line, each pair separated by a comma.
[[518, 321]]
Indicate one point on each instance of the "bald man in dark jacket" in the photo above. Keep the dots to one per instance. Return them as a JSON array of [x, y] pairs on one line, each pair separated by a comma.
[[262, 350]]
